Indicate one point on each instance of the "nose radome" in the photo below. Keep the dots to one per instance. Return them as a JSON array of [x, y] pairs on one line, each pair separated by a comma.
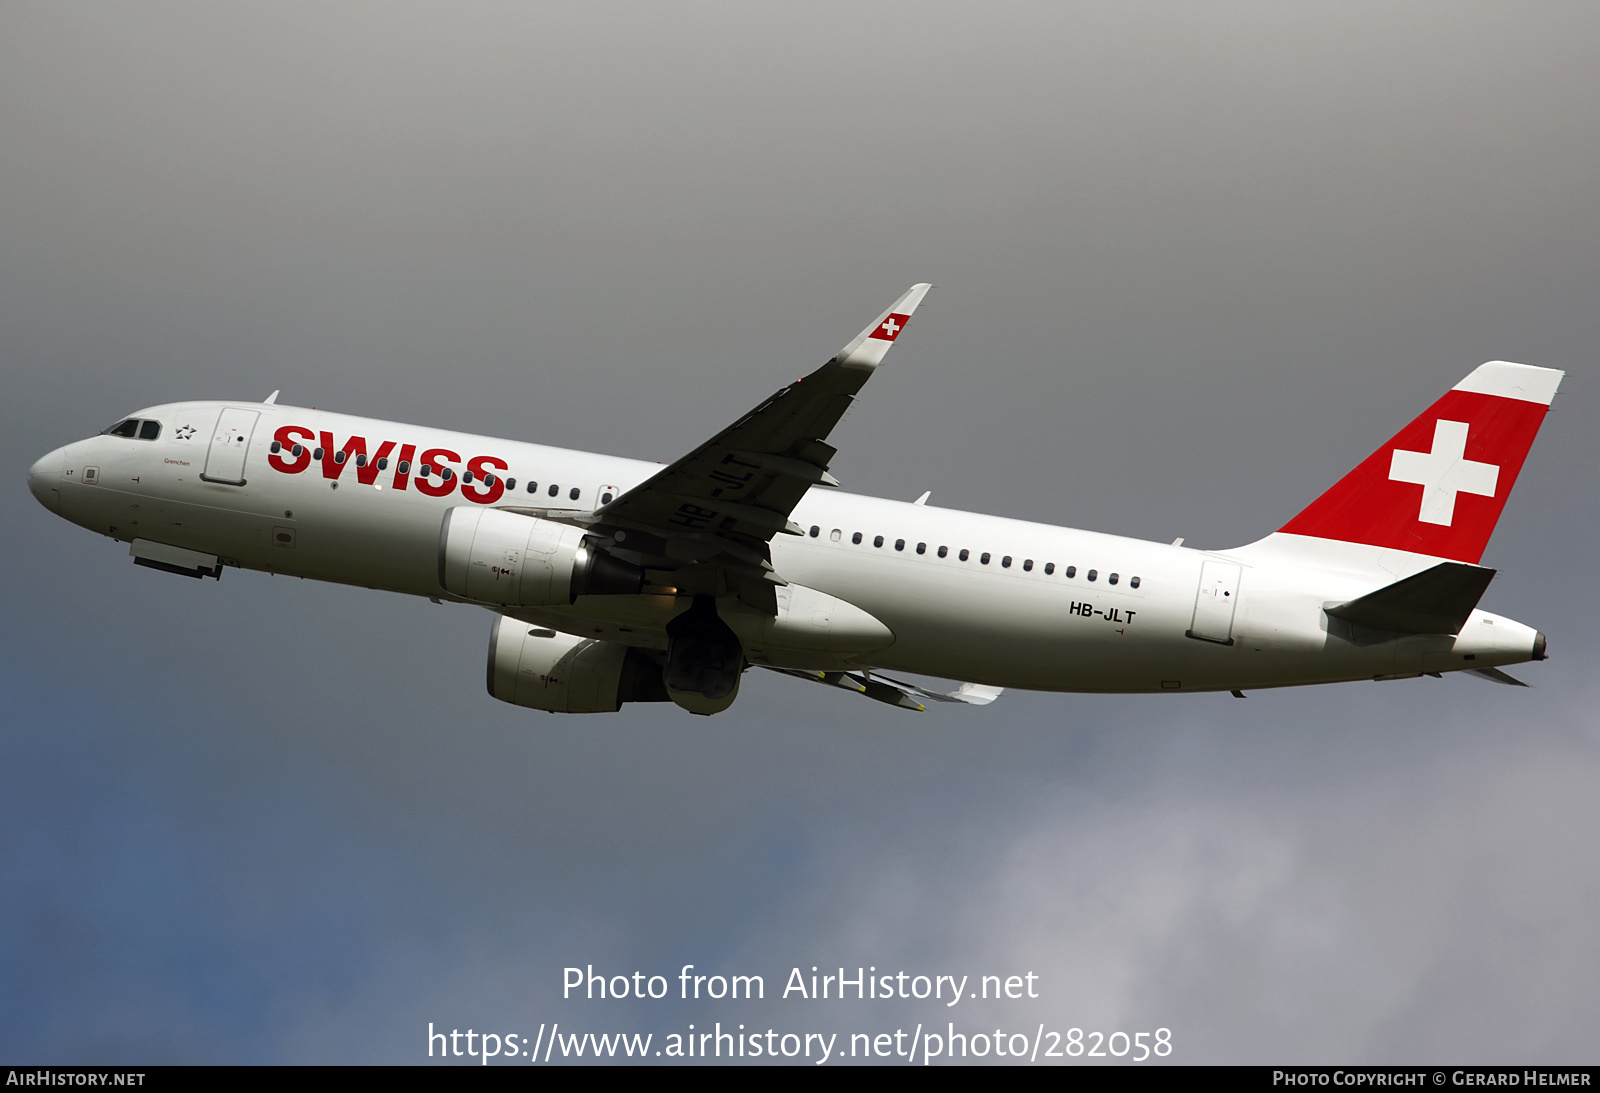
[[44, 479]]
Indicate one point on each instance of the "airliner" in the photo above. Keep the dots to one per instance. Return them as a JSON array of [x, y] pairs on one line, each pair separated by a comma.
[[614, 580]]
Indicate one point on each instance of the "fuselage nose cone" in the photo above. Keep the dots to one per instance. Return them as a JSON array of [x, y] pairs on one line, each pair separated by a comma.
[[44, 480]]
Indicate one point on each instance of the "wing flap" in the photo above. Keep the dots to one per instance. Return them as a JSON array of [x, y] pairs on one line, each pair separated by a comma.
[[895, 692]]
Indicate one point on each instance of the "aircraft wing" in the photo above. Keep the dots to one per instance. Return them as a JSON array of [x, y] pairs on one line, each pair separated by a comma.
[[896, 692], [712, 513]]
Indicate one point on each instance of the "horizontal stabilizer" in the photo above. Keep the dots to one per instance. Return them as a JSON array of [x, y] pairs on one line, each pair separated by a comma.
[[1495, 675], [1435, 601]]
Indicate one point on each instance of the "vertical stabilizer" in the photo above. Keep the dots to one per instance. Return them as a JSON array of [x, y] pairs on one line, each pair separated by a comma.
[[1438, 486]]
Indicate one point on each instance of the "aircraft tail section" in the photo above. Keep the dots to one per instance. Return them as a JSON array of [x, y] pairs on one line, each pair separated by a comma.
[[1438, 486]]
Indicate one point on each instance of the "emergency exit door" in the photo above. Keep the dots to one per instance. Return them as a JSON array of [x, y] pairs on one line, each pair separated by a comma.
[[1215, 601], [230, 442]]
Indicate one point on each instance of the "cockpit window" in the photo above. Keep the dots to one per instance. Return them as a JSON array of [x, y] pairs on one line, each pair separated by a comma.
[[133, 427]]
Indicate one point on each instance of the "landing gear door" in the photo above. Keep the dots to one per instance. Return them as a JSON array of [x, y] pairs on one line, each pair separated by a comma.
[[230, 441], [1215, 601]]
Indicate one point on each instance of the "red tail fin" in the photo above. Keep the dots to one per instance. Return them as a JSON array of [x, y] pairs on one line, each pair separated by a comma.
[[1438, 486]]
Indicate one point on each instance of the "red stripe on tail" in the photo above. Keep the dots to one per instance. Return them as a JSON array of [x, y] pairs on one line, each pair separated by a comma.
[[1438, 486]]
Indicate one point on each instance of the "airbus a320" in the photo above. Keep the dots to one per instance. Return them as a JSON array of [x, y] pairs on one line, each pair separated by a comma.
[[613, 580]]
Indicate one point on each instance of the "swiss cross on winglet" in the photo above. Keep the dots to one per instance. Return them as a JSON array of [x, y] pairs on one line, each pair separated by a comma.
[[865, 352], [890, 328]]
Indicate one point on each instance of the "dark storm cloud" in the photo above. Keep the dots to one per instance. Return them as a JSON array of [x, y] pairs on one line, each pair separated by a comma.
[[1192, 264]]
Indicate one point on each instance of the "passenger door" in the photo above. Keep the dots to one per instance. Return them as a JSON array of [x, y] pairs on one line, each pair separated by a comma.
[[1215, 601], [230, 442]]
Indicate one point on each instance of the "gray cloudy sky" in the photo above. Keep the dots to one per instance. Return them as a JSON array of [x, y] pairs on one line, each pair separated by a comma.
[[1192, 262]]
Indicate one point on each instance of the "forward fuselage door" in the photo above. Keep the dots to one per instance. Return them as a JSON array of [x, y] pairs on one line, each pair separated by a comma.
[[230, 441], [1215, 602]]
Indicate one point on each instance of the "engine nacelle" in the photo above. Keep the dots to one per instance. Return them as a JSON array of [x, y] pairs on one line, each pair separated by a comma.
[[502, 558], [547, 670]]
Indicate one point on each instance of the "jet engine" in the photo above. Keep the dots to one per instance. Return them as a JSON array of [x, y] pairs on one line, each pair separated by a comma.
[[500, 557], [547, 670]]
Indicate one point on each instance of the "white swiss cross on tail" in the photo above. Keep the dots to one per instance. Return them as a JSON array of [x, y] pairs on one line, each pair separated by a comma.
[[1465, 452], [1444, 472]]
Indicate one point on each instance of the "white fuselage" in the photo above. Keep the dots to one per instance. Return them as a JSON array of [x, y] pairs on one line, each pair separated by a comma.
[[1052, 608]]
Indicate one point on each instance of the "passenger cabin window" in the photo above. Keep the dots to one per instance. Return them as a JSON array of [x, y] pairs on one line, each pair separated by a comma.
[[467, 477], [899, 544], [297, 451], [856, 538], [834, 535], [361, 460], [573, 493], [317, 454], [404, 468], [1027, 565], [1070, 571], [149, 430], [554, 489], [276, 448], [983, 559], [1049, 568], [815, 531], [1093, 573], [877, 540], [922, 548], [605, 498], [1133, 582], [944, 552], [383, 463], [1112, 579], [963, 555], [1005, 563], [533, 487]]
